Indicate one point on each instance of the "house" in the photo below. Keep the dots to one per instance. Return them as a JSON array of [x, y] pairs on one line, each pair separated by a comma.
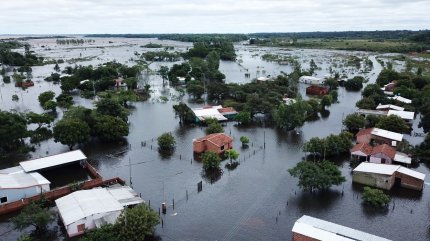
[[389, 88], [366, 112], [401, 99], [407, 116], [24, 181], [16, 184], [311, 80], [309, 228], [216, 112], [362, 150], [402, 158], [389, 107], [218, 142], [89, 209], [382, 154], [317, 90], [386, 176], [379, 136], [262, 79]]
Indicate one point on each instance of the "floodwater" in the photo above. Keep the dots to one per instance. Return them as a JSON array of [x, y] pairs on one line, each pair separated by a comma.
[[258, 200]]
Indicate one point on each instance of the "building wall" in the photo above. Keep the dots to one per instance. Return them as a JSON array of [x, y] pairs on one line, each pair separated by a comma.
[[18, 194], [410, 182], [382, 140], [301, 237], [72, 229], [198, 146], [203, 146], [377, 158], [374, 180], [364, 139]]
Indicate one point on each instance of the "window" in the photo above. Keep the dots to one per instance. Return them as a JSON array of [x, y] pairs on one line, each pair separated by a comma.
[[3, 199], [81, 227], [222, 147]]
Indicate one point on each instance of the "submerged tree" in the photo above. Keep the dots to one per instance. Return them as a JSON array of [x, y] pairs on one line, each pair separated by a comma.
[[71, 132], [211, 161], [375, 197], [134, 224], [34, 215], [166, 141]]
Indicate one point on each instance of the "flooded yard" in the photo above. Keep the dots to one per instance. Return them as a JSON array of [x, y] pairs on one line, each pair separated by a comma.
[[259, 200]]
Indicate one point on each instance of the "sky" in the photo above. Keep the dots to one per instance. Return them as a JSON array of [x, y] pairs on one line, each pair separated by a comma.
[[209, 16]]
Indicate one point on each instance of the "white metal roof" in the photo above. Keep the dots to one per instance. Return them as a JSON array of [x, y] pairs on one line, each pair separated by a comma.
[[384, 169], [213, 112], [393, 107], [401, 99], [125, 195], [51, 161], [371, 112], [289, 101], [21, 180], [402, 157], [12, 170], [387, 134], [262, 78], [407, 115], [85, 203], [411, 173], [327, 231]]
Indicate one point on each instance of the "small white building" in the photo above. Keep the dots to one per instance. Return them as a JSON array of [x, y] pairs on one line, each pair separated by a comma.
[[389, 107], [401, 99], [311, 80], [309, 228], [407, 116], [90, 209], [15, 184]]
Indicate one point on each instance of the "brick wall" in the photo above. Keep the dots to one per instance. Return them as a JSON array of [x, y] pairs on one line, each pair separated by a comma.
[[300, 237], [410, 182]]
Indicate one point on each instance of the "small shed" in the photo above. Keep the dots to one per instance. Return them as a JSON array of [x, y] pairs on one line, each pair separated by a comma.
[[209, 112], [380, 136], [89, 209], [362, 150], [217, 142], [407, 116], [401, 99], [53, 161], [16, 184], [317, 90], [311, 80], [402, 158], [309, 228], [389, 107], [383, 154], [386, 176]]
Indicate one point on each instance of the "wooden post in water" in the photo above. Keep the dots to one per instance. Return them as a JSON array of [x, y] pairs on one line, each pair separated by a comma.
[[200, 186], [164, 208]]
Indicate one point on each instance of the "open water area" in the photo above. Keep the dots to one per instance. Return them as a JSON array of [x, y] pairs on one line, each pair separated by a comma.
[[259, 200]]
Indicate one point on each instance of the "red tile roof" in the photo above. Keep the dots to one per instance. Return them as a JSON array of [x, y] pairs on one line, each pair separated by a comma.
[[226, 109], [364, 132], [363, 147], [217, 139], [385, 149]]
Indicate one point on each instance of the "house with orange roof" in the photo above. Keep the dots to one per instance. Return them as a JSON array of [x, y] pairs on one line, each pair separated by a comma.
[[362, 150], [217, 142], [383, 154]]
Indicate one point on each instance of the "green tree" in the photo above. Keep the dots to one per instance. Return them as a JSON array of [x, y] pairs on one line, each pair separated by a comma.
[[108, 106], [163, 72], [244, 140], [232, 154], [33, 215], [291, 116], [15, 98], [64, 100], [195, 88], [13, 128], [110, 128], [166, 141], [185, 114], [104, 233], [317, 176], [243, 117], [213, 60], [354, 84], [386, 76], [354, 122], [134, 224], [366, 103], [211, 161], [375, 197], [393, 123], [39, 119], [213, 126], [50, 105], [45, 97], [71, 132], [326, 101]]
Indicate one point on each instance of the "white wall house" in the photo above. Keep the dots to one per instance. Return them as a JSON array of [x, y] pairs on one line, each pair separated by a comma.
[[90, 209]]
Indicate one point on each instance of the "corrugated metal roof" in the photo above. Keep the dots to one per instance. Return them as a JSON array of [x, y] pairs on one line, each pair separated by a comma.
[[384, 169], [407, 115], [11, 170], [401, 99], [125, 195], [393, 107], [85, 203], [402, 157], [387, 134], [21, 180], [212, 112], [51, 161], [328, 231], [411, 173]]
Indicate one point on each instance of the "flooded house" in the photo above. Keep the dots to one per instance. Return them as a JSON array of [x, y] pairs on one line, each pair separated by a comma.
[[401, 99], [89, 209], [389, 107], [29, 179], [217, 142], [308, 228], [383, 154], [317, 90], [386, 176], [311, 80], [407, 116], [362, 150], [215, 112], [379, 136]]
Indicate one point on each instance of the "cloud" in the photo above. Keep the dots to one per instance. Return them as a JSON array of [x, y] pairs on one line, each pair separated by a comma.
[[191, 16]]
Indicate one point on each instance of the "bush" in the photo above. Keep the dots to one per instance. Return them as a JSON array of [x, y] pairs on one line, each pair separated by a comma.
[[244, 140], [166, 141], [211, 161], [375, 197], [354, 84]]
